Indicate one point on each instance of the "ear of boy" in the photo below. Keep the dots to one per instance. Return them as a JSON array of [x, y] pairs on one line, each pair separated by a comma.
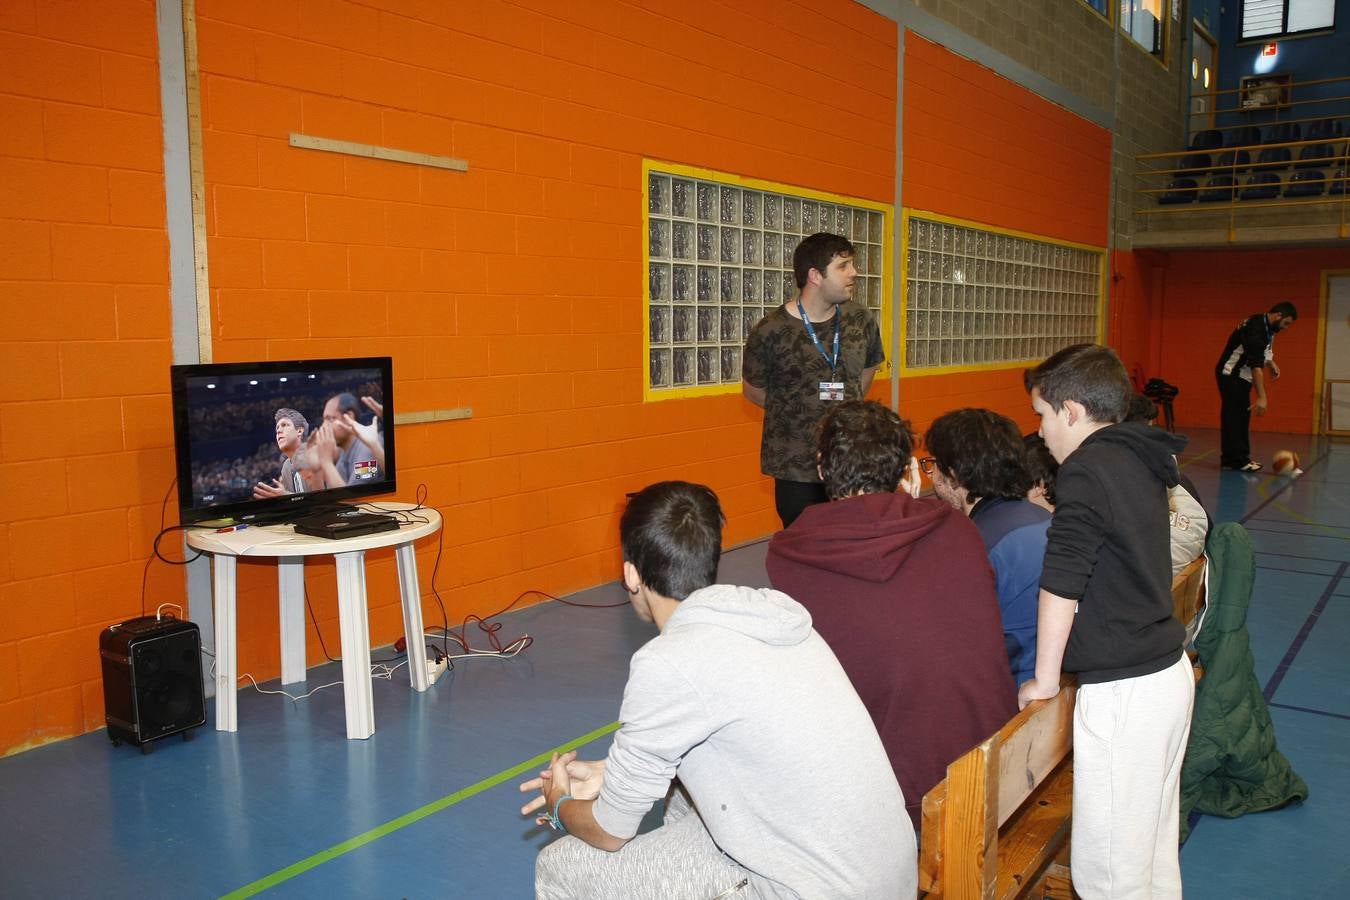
[[1080, 424], [631, 579]]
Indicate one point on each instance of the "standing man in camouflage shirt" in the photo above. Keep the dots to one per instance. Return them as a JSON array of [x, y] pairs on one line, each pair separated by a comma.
[[818, 349]]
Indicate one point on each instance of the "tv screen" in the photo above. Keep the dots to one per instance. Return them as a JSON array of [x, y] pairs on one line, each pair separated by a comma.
[[281, 439]]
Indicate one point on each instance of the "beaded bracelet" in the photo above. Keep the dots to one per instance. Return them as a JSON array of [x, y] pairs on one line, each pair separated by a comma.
[[553, 821]]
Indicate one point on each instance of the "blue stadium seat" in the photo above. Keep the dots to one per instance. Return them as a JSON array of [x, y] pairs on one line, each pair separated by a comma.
[[1232, 161], [1246, 136], [1306, 183], [1324, 130], [1179, 190], [1340, 185], [1261, 186], [1273, 159], [1220, 189], [1282, 132], [1315, 155], [1207, 140], [1195, 164]]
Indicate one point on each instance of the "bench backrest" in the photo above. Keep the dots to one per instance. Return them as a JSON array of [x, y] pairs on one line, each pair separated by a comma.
[[1002, 812], [996, 794], [1188, 592]]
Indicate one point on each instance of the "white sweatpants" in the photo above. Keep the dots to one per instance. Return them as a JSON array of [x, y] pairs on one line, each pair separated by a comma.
[[1129, 740]]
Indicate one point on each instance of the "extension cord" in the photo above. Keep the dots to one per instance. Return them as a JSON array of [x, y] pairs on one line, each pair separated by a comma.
[[436, 669]]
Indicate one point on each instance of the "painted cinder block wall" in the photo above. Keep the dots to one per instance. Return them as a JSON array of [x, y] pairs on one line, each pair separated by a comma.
[[514, 289], [84, 351], [1201, 296], [980, 147]]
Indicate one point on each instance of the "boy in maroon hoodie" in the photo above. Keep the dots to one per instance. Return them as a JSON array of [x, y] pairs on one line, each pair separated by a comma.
[[901, 589]]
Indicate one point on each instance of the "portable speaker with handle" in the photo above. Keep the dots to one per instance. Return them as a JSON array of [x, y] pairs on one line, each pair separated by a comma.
[[152, 680]]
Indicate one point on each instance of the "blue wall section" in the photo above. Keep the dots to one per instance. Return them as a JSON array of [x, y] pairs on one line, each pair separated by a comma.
[[1306, 59], [1206, 12]]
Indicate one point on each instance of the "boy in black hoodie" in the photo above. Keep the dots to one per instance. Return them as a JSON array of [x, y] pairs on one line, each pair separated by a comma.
[[1106, 615]]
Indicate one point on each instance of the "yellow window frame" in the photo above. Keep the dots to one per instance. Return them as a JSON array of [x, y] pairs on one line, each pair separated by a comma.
[[906, 214], [665, 167]]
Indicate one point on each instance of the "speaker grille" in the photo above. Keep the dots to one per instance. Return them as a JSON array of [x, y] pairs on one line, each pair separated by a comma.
[[152, 681]]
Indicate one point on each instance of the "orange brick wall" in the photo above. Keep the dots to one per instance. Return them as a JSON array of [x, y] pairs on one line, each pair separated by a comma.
[[516, 288], [1203, 295], [979, 147], [85, 439], [1135, 296]]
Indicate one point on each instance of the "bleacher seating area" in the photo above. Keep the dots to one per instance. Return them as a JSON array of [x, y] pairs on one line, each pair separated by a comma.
[[1291, 160]]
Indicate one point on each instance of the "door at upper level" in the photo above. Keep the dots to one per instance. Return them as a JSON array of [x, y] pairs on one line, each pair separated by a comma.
[[1204, 75]]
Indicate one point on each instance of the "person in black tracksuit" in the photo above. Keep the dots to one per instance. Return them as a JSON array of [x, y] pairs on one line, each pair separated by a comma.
[[1241, 367]]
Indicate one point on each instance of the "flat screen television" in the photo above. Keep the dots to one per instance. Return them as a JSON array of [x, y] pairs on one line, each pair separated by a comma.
[[276, 441]]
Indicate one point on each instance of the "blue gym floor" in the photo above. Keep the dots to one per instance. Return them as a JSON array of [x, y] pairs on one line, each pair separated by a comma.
[[429, 805]]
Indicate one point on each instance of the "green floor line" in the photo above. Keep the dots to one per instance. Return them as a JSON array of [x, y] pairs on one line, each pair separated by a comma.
[[1195, 459], [403, 821]]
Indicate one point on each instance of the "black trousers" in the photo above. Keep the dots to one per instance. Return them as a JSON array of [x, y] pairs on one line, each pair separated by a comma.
[[1235, 418], [791, 497]]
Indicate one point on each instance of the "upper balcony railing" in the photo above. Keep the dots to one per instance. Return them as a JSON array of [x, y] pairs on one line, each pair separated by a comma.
[[1274, 169]]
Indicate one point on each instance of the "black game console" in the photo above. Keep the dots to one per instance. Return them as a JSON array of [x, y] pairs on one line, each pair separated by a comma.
[[345, 524]]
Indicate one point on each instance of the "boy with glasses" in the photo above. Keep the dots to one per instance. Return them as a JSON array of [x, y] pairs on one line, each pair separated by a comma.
[[979, 467]]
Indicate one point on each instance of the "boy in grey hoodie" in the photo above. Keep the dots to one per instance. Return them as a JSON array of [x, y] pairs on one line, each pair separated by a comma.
[[739, 698]]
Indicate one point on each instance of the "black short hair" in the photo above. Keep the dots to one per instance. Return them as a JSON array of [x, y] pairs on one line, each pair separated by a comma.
[[1142, 409], [863, 447], [1285, 308], [1041, 466], [671, 532], [347, 403], [981, 451], [817, 252], [1089, 374]]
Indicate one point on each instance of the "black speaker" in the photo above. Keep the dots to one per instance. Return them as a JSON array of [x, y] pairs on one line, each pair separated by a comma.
[[152, 680]]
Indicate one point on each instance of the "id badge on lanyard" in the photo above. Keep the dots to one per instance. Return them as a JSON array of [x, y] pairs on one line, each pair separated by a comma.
[[832, 390]]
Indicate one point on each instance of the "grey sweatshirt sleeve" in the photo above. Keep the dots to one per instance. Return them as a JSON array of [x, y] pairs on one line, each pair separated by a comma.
[[663, 717]]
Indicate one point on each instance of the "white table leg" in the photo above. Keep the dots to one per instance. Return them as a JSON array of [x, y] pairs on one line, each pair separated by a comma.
[[227, 691], [291, 595], [411, 597], [354, 620]]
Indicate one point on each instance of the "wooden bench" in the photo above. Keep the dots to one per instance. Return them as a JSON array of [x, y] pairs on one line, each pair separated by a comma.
[[1188, 592], [998, 825], [1188, 602]]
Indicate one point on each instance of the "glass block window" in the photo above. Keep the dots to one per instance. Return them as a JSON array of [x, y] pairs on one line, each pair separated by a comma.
[[978, 298], [719, 256]]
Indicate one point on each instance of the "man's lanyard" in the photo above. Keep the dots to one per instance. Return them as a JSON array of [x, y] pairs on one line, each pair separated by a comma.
[[811, 331]]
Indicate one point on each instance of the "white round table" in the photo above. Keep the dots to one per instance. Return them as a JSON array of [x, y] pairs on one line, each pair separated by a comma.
[[280, 542]]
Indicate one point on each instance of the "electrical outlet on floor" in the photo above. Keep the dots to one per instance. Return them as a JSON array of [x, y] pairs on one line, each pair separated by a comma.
[[436, 669]]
